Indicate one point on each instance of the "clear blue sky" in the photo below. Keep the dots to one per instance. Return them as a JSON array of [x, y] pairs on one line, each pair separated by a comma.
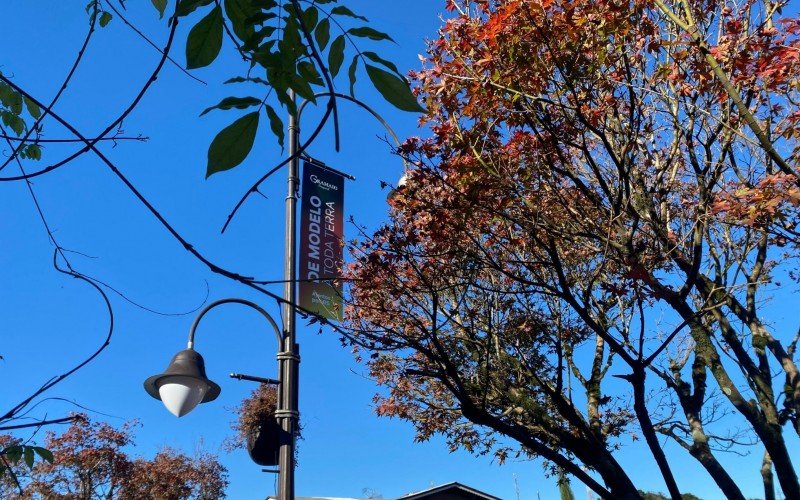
[[48, 321]]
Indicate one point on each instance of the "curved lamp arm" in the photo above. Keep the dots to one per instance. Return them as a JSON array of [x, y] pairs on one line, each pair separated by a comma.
[[278, 334], [364, 106], [184, 384]]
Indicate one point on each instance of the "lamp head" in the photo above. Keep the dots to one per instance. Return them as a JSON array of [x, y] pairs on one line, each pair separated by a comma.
[[184, 384]]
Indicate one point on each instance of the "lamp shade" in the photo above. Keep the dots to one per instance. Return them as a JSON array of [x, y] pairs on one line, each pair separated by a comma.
[[184, 384]]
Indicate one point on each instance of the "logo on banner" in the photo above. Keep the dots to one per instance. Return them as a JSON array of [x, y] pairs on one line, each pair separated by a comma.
[[321, 236]]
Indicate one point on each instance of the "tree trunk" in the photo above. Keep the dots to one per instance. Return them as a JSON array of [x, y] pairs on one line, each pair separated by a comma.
[[766, 476], [769, 433], [776, 447], [637, 379], [692, 401], [702, 452], [618, 484]]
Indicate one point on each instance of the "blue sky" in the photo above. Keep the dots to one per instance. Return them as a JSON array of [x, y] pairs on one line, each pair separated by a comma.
[[48, 321]]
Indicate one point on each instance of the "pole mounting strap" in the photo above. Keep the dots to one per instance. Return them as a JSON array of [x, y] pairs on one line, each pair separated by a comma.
[[288, 355]]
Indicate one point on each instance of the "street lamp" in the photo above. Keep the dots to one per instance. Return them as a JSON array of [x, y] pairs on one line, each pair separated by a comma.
[[184, 383]]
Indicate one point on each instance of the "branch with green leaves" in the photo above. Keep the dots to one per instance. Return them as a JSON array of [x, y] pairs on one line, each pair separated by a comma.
[[288, 49]]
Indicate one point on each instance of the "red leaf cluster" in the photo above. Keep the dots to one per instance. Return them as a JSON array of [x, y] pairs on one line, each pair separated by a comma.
[[592, 168], [91, 461]]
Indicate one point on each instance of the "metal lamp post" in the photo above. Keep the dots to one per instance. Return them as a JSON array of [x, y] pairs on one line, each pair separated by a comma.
[[289, 358], [184, 384]]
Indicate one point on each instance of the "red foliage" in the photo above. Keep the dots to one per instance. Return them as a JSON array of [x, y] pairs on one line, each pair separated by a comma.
[[593, 167], [91, 461]]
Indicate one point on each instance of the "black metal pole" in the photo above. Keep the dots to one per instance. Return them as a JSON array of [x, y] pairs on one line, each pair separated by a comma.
[[289, 358]]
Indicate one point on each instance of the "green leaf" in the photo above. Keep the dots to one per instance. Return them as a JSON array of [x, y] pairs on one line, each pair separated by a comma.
[[242, 79], [344, 11], [32, 151], [234, 102], [13, 121], [336, 55], [282, 60], [29, 456], [266, 58], [161, 6], [33, 108], [13, 453], [15, 102], [6, 94], [292, 42], [376, 58], [254, 42], [186, 7], [283, 97], [302, 87], [239, 11], [105, 18], [323, 33], [264, 4], [308, 71], [351, 73], [205, 40], [46, 454], [367, 32], [393, 89], [232, 145], [310, 17], [276, 124], [260, 17]]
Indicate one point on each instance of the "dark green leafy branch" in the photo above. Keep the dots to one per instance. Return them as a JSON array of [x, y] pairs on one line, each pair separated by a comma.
[[288, 50], [16, 454], [13, 108]]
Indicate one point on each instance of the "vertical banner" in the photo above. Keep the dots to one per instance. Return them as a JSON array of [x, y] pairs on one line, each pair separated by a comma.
[[321, 237]]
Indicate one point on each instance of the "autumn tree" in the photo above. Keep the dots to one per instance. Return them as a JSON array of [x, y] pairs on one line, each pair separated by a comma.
[[586, 245], [201, 477], [90, 460]]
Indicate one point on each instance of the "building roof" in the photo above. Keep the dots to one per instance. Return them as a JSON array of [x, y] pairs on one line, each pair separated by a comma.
[[316, 498], [435, 492], [454, 486]]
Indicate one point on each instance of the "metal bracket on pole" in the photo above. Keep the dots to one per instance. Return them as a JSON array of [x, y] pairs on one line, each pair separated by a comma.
[[288, 355], [253, 378], [325, 166]]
